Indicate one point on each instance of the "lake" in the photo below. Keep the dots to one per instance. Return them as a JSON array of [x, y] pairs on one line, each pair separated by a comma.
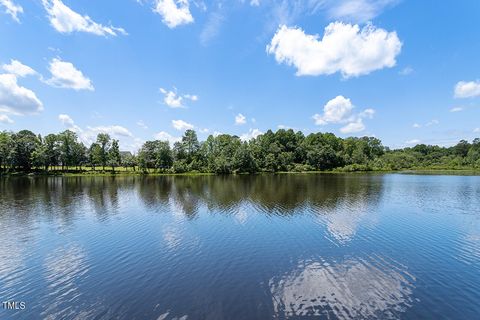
[[334, 246]]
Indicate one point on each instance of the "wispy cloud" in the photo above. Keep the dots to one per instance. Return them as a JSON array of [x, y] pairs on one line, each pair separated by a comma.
[[65, 20], [357, 10], [406, 71], [12, 9], [430, 123], [142, 124], [413, 142], [212, 27]]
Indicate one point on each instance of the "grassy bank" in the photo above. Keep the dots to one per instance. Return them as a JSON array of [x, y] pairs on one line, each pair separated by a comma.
[[119, 171]]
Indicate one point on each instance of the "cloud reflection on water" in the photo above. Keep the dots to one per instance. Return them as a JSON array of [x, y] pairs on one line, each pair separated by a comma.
[[354, 288]]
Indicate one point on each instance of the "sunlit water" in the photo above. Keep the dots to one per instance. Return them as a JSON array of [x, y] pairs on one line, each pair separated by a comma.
[[261, 247]]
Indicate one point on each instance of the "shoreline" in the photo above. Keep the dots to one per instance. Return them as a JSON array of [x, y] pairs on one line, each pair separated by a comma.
[[422, 171]]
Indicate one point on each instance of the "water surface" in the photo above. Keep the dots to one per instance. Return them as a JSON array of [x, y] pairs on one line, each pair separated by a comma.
[[241, 247]]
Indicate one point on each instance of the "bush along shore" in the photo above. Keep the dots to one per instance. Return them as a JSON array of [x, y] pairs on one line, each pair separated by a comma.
[[25, 152]]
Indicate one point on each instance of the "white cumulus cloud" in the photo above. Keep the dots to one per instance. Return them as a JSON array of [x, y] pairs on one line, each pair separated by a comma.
[[12, 9], [89, 135], [16, 99], [353, 127], [126, 138], [182, 125], [5, 119], [66, 120], [240, 119], [68, 123], [174, 12], [19, 69], [114, 130], [171, 99], [476, 130], [65, 20], [340, 110], [344, 48], [251, 134], [469, 89], [367, 113], [337, 110], [65, 75], [174, 100], [165, 136]]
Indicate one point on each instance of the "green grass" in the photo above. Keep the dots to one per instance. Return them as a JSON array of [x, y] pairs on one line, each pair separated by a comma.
[[89, 171]]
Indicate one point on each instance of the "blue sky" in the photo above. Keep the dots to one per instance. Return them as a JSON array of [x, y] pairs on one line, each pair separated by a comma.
[[403, 71]]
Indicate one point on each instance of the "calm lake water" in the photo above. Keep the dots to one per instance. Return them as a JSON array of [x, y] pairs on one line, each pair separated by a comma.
[[262, 247]]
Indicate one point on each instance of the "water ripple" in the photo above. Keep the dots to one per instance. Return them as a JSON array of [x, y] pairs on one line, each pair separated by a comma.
[[361, 288]]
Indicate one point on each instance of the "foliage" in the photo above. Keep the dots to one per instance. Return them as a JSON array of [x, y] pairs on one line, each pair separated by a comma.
[[103, 140], [284, 150]]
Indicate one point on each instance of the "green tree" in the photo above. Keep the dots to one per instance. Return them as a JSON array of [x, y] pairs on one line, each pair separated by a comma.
[[163, 155], [53, 149], [243, 160], [114, 155], [24, 144], [222, 165], [67, 139], [461, 148], [473, 154], [95, 155], [103, 140], [323, 151], [190, 144], [128, 160], [284, 150], [6, 147], [219, 153], [156, 154], [79, 154], [40, 155], [146, 155]]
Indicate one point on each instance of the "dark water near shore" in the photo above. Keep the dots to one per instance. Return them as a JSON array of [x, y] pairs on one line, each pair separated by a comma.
[[261, 247]]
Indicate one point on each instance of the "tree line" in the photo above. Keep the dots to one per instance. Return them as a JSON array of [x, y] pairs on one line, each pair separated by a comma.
[[283, 150]]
